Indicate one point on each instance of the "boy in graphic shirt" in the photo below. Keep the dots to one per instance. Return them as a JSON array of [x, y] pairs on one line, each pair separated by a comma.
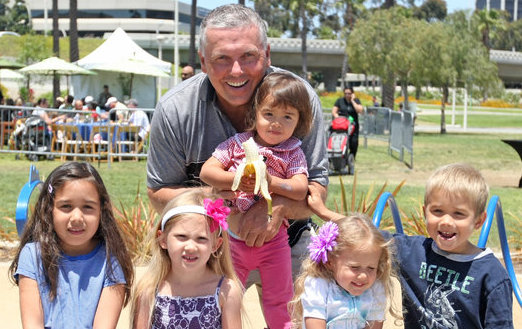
[[448, 282]]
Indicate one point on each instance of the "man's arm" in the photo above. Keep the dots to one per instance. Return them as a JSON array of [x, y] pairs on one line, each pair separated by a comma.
[[254, 227], [213, 173]]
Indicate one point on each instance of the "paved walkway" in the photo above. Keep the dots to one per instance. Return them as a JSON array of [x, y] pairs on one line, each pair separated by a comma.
[[469, 130], [10, 310]]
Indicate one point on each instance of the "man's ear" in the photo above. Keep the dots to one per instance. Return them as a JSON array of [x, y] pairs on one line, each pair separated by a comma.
[[267, 54], [219, 242], [480, 220], [202, 61], [162, 237]]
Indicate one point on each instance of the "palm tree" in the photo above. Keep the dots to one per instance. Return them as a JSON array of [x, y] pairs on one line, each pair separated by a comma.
[[192, 45], [56, 50], [74, 53], [488, 22]]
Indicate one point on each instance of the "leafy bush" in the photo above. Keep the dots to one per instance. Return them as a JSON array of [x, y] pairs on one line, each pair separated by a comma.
[[413, 223]]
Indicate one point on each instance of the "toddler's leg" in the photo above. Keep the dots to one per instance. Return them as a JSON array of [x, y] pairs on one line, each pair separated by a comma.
[[242, 259], [275, 268]]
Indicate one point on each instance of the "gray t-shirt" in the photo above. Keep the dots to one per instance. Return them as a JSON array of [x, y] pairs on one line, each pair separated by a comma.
[[188, 125]]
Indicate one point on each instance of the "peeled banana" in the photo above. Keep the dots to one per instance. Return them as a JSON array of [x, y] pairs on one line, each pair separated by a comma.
[[253, 163]]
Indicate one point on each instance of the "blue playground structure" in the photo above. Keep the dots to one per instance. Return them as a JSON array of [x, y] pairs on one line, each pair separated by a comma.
[[22, 205], [494, 207]]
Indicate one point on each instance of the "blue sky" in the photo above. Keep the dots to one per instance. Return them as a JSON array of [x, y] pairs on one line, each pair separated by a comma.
[[452, 4]]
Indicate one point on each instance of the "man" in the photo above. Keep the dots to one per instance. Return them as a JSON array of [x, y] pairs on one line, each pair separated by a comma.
[[187, 72], [138, 118], [194, 117], [104, 96], [121, 110]]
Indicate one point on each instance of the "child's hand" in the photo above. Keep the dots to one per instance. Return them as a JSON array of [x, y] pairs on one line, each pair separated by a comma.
[[314, 199], [316, 204], [247, 183]]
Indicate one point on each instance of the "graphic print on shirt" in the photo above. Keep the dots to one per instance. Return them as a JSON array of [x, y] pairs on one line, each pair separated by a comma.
[[439, 310]]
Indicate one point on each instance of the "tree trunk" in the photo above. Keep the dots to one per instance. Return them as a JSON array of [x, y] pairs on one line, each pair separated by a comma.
[[344, 70], [445, 94], [404, 87], [304, 32], [56, 51], [192, 46], [417, 92], [74, 53], [388, 91]]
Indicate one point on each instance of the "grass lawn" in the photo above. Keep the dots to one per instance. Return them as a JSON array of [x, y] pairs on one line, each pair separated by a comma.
[[374, 167]]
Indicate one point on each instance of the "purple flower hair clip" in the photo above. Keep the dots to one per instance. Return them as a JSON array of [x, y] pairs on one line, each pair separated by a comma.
[[323, 242]]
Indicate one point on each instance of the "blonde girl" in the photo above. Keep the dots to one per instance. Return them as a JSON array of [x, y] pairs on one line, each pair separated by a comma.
[[190, 281], [72, 267], [346, 281]]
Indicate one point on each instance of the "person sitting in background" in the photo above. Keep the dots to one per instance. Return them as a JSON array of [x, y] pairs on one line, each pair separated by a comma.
[[7, 114], [42, 104], [58, 102], [138, 118], [68, 103], [90, 105], [120, 114], [187, 72]]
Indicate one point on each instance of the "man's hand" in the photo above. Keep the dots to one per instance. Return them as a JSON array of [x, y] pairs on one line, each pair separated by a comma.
[[254, 227]]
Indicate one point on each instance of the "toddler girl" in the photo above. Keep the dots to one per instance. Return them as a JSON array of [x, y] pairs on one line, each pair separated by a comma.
[[347, 279], [190, 281], [72, 267], [280, 115]]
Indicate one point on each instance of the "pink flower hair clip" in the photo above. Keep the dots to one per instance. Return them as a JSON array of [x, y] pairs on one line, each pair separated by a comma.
[[218, 212], [323, 242]]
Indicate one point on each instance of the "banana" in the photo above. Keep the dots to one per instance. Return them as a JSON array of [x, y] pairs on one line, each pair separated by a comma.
[[253, 163]]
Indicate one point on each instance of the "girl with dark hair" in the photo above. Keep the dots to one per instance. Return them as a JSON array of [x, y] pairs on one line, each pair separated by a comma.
[[72, 267]]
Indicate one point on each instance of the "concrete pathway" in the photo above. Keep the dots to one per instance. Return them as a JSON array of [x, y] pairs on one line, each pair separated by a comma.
[[10, 310]]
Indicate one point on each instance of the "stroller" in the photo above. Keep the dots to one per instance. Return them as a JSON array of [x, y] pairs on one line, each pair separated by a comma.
[[33, 135], [338, 146]]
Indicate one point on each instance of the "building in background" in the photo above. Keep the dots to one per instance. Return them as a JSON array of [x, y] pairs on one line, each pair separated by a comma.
[[513, 7], [95, 17]]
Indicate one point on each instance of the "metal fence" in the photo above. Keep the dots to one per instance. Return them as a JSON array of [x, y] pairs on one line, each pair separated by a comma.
[[77, 135], [396, 128]]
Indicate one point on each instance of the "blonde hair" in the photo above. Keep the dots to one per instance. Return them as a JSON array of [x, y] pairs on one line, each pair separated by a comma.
[[354, 231], [459, 180], [159, 265]]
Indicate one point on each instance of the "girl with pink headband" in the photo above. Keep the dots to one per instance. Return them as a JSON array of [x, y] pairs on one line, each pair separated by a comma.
[[190, 281]]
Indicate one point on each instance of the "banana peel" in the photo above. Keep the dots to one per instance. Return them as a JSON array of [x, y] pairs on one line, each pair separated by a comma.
[[253, 164]]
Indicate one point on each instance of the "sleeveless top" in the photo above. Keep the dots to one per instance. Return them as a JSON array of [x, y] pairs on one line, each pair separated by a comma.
[[187, 312]]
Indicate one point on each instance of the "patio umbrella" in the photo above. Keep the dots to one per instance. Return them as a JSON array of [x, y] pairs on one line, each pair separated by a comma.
[[55, 66], [131, 66], [10, 74], [9, 64]]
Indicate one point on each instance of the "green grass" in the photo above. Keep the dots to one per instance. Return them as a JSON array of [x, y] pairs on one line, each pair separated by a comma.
[[478, 121], [374, 167]]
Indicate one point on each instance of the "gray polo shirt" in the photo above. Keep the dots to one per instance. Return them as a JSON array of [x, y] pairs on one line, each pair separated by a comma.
[[188, 125]]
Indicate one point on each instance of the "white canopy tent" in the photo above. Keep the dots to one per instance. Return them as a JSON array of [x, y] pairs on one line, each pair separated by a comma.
[[117, 48]]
